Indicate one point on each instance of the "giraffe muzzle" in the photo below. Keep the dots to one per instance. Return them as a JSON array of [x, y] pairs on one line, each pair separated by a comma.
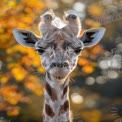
[[59, 65]]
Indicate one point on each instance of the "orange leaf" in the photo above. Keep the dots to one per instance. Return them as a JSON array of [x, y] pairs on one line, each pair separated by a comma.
[[83, 61], [13, 111], [95, 10], [88, 69]]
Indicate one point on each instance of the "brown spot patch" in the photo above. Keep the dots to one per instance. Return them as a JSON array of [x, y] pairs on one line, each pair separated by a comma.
[[49, 111], [64, 107], [66, 121], [48, 75], [64, 91], [64, 84], [51, 92]]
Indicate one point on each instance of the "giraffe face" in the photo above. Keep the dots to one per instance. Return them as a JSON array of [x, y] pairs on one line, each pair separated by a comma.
[[59, 55], [59, 48]]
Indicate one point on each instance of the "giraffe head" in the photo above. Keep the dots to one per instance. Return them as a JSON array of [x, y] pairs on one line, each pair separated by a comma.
[[59, 48]]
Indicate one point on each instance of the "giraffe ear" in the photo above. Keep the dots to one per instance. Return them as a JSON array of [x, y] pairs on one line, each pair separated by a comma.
[[25, 37], [92, 36]]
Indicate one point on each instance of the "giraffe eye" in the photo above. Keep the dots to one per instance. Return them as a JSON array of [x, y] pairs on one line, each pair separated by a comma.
[[77, 51], [40, 51]]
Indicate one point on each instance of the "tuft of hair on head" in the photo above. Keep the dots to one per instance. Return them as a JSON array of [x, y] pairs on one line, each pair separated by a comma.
[[73, 23], [45, 26], [48, 16]]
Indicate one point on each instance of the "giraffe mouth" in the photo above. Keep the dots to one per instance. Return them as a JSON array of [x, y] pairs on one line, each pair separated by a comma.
[[59, 77], [59, 74]]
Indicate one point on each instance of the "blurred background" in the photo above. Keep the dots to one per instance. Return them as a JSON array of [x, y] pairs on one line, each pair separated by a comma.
[[96, 83]]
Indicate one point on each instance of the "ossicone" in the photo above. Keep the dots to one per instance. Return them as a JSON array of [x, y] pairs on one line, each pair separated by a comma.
[[73, 24], [45, 26], [48, 17]]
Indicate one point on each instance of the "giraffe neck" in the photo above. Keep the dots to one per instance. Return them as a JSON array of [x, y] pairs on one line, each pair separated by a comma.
[[56, 105]]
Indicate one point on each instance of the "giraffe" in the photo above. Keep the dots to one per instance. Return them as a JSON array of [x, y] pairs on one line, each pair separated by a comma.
[[59, 50]]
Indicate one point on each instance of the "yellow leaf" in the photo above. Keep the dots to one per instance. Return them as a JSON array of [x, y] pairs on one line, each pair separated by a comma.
[[97, 49], [11, 4], [95, 10], [41, 70], [19, 73], [10, 95], [94, 115], [39, 91], [4, 79], [32, 84], [3, 106], [13, 111], [96, 24]]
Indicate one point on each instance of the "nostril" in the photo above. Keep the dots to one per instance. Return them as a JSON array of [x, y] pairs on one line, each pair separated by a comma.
[[60, 65]]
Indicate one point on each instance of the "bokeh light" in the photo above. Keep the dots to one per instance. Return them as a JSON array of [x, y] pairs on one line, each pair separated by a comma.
[[90, 81], [101, 79], [104, 64], [59, 23], [116, 61], [112, 74], [89, 102], [76, 98], [79, 7], [119, 46]]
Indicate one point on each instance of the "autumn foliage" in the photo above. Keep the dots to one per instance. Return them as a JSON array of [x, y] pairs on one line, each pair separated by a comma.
[[16, 76]]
